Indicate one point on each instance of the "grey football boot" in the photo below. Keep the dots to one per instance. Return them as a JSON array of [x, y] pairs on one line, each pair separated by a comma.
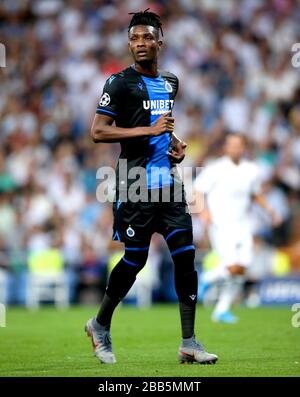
[[190, 351], [101, 341]]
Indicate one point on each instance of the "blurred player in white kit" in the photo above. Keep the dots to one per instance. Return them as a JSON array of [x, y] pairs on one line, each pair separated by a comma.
[[228, 185]]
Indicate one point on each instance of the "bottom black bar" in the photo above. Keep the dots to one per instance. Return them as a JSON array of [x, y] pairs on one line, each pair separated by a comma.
[[130, 386]]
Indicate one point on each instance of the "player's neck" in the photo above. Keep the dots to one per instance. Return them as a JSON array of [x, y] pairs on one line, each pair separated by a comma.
[[148, 69]]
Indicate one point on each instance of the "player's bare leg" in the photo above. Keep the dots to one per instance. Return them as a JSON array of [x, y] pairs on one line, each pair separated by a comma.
[[230, 290]]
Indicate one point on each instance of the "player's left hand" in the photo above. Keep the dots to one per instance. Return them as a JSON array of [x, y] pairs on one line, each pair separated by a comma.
[[177, 154]]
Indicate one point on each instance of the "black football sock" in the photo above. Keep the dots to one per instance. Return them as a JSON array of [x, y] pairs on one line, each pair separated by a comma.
[[180, 243], [107, 308], [187, 316]]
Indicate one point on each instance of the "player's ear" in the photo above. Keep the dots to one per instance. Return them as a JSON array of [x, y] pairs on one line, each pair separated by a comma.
[[160, 44]]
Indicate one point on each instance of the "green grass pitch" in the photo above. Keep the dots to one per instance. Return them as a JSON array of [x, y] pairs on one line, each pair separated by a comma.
[[49, 342]]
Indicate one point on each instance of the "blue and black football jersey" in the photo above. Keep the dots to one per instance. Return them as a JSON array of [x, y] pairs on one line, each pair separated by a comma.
[[134, 100]]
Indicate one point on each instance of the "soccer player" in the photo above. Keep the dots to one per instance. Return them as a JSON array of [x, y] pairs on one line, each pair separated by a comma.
[[139, 100], [228, 185]]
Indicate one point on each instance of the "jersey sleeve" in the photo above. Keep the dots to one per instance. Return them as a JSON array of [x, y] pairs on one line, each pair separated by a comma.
[[176, 83], [109, 103]]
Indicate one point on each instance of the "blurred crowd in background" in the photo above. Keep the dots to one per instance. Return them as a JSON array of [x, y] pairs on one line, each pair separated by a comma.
[[233, 61]]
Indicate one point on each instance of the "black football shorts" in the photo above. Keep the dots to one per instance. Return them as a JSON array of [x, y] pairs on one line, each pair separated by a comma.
[[137, 221]]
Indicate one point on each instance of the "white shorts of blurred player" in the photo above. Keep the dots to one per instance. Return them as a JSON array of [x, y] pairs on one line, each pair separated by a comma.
[[232, 243]]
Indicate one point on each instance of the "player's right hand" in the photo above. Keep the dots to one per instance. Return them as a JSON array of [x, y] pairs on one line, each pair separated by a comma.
[[164, 123]]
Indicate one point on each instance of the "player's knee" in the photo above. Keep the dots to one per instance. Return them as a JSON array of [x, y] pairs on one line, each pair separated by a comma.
[[178, 238], [124, 275], [180, 243], [120, 280], [136, 257]]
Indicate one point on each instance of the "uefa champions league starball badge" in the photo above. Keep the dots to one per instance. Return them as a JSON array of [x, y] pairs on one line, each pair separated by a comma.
[[130, 232], [104, 100]]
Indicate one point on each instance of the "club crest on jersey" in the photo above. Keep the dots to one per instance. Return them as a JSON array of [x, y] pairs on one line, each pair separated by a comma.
[[104, 100], [168, 86]]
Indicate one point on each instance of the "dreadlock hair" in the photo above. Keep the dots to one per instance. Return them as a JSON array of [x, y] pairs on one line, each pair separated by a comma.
[[146, 18]]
